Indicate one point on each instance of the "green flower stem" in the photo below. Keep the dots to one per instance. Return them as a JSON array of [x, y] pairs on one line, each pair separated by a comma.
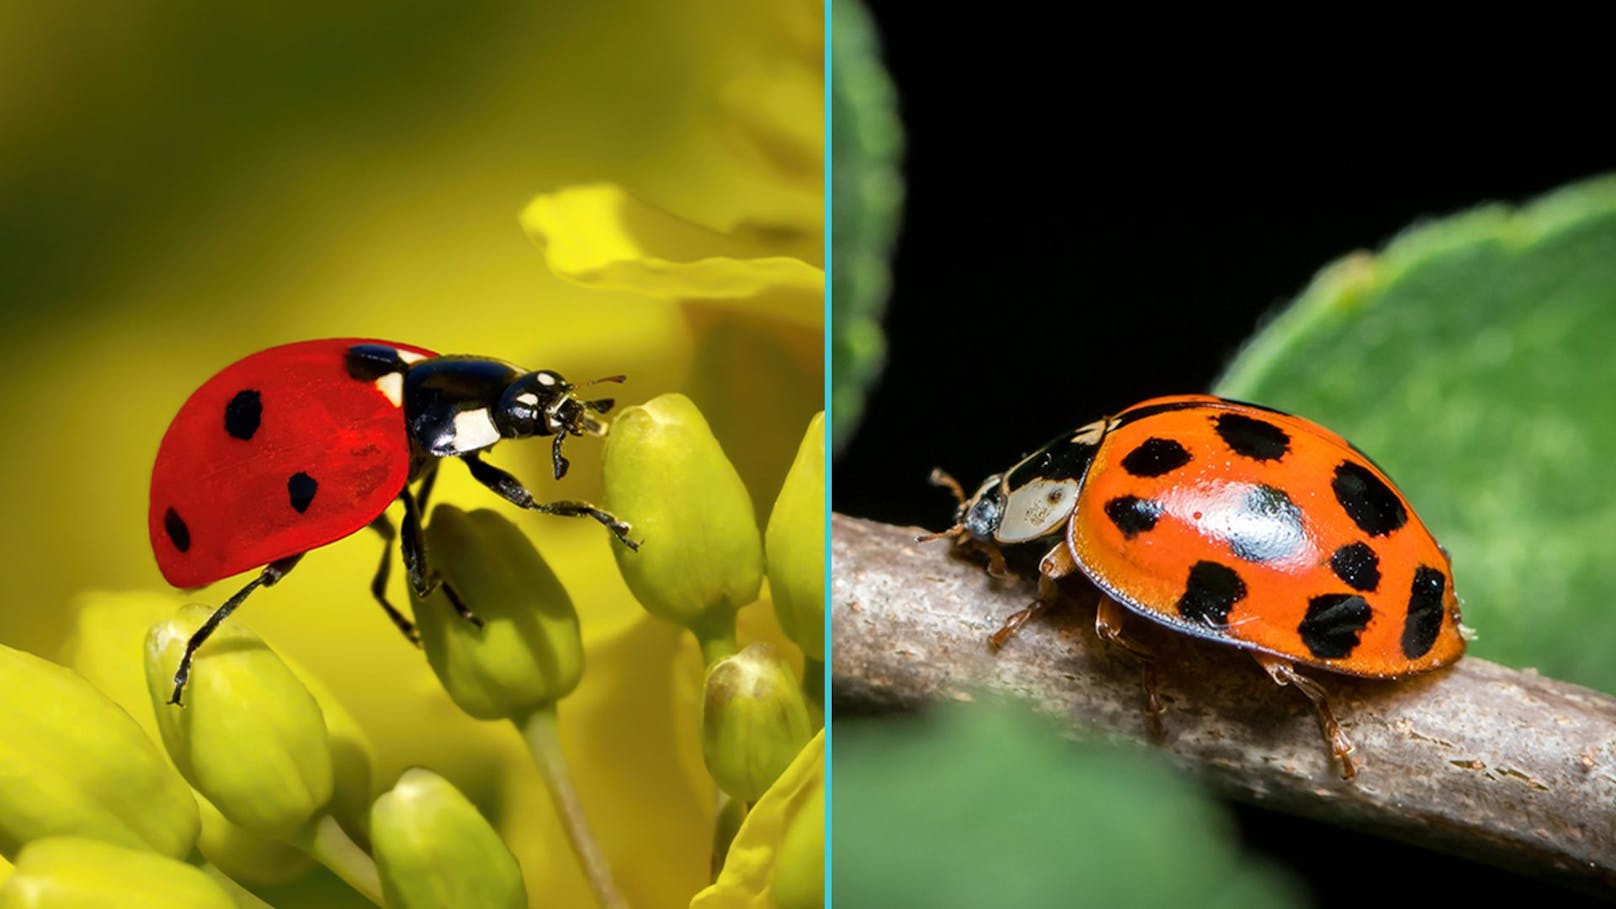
[[728, 817], [813, 687], [243, 898], [540, 729], [716, 634], [331, 847]]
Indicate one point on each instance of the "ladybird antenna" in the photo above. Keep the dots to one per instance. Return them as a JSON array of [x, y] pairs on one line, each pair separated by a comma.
[[941, 477], [954, 531]]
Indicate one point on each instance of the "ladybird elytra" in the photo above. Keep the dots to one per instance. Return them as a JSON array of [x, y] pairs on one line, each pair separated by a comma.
[[1234, 523]]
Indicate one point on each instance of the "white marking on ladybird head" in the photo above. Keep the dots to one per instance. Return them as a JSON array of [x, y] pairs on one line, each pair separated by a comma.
[[1036, 509], [392, 385], [474, 429], [528, 398], [546, 378], [409, 356]]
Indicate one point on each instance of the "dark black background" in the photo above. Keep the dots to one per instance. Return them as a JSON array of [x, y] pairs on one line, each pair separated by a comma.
[[1084, 231]]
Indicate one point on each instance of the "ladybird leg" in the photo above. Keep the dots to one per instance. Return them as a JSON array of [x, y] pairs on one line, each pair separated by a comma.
[[511, 490], [422, 578], [1057, 564], [1108, 622], [271, 574], [996, 566], [425, 491], [1283, 673], [378, 584], [560, 463]]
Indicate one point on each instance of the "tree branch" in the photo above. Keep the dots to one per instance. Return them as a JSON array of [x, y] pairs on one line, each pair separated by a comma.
[[1493, 764]]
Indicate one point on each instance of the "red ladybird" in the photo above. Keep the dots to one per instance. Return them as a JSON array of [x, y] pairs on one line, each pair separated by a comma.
[[1234, 523], [301, 445]]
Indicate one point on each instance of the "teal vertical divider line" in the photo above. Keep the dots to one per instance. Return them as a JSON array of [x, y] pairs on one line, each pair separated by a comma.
[[830, 463]]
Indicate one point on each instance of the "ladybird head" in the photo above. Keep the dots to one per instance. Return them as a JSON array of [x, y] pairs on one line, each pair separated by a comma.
[[977, 517], [980, 515], [542, 403]]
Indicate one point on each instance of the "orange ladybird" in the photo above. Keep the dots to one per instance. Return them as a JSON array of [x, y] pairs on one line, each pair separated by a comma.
[[1235, 523]]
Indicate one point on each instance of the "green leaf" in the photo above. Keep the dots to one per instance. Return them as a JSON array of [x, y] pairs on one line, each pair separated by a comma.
[[867, 193], [990, 806], [1472, 358]]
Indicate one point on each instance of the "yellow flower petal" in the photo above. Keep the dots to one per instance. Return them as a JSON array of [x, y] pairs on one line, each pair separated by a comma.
[[600, 235], [771, 863]]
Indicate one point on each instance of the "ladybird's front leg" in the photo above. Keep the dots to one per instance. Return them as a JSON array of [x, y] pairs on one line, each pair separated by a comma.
[[1057, 564], [511, 490], [1283, 673], [1108, 622], [423, 580]]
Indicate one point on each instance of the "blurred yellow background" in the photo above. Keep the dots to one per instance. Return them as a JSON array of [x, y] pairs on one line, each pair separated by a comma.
[[181, 185]]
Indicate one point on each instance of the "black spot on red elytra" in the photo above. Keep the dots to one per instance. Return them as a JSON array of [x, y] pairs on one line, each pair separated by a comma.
[[178, 533], [1367, 500], [300, 489], [1424, 620], [1333, 623], [243, 414], [1155, 457], [1132, 515], [1268, 528], [1212, 590], [1257, 439], [1357, 565]]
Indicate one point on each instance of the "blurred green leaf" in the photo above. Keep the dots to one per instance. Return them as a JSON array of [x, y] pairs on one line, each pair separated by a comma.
[[866, 195], [990, 806], [1472, 359]]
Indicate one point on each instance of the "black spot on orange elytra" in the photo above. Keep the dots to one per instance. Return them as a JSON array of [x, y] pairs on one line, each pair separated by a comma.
[[1367, 500], [1212, 590], [1259, 440], [1155, 457], [1132, 515], [1357, 565], [1333, 623], [1424, 612]]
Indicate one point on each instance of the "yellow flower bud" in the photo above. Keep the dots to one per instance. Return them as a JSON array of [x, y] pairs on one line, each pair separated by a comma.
[[75, 873], [700, 557], [528, 652], [250, 737], [250, 858], [753, 720], [795, 543], [352, 755], [74, 763], [434, 849]]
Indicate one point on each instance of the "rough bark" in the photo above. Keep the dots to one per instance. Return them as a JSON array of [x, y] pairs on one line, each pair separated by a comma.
[[1495, 764]]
